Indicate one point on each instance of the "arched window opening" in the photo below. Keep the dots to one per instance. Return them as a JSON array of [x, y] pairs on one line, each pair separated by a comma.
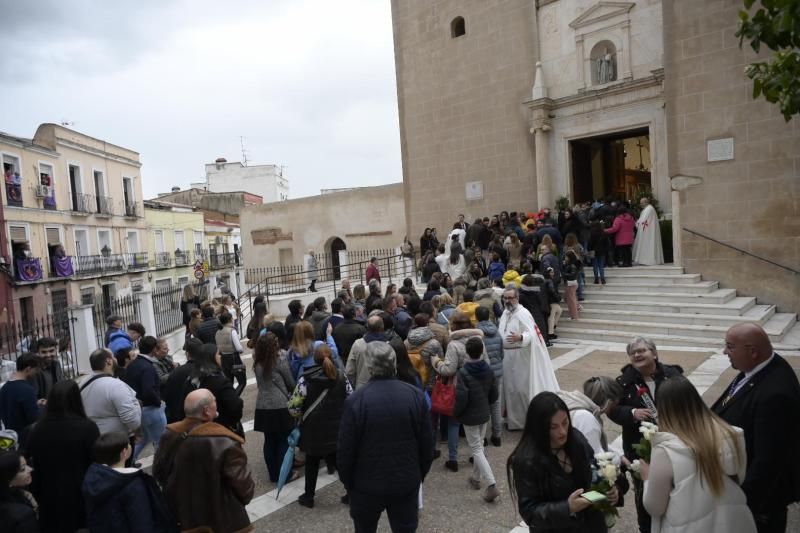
[[458, 27], [604, 63]]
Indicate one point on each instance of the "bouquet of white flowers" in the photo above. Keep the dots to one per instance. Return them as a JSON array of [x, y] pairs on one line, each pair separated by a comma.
[[604, 477], [645, 446]]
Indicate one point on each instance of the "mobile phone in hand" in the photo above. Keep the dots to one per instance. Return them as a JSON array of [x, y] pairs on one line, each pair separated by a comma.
[[594, 496]]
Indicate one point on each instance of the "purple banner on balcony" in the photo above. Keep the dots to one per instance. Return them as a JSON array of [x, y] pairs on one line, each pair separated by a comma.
[[62, 267], [29, 269]]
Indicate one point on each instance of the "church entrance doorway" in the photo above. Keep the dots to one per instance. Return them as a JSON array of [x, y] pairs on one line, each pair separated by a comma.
[[616, 165], [336, 245]]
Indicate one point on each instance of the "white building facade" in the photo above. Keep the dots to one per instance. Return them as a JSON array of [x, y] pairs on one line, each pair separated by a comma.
[[266, 181]]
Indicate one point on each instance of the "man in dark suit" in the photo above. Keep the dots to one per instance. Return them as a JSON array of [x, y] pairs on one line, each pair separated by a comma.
[[764, 400]]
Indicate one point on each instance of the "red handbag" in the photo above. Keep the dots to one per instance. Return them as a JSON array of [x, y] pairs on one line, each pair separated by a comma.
[[443, 398]]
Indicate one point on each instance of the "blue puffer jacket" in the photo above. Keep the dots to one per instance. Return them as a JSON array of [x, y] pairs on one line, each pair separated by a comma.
[[494, 346], [119, 340]]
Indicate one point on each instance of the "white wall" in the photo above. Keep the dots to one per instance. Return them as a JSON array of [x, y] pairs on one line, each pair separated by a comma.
[[263, 180]]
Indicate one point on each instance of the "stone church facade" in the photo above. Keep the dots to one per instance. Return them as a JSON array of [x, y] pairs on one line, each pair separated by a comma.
[[515, 103]]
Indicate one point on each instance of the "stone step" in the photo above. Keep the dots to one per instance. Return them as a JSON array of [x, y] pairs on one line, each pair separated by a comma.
[[760, 315], [736, 306], [574, 331], [776, 327], [700, 287], [618, 275], [719, 296], [644, 270]]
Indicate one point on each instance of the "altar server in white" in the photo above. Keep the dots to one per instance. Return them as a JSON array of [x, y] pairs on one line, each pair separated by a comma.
[[647, 246]]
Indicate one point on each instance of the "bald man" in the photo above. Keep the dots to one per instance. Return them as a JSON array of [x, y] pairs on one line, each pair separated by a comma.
[[357, 368], [197, 453], [764, 400]]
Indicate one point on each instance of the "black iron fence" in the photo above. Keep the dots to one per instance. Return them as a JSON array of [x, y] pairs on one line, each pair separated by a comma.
[[83, 203], [296, 280], [163, 260], [92, 265], [167, 307], [126, 307], [21, 337], [137, 261], [183, 258], [104, 205]]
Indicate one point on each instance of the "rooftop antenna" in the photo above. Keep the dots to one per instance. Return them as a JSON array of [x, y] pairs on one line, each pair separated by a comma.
[[244, 152]]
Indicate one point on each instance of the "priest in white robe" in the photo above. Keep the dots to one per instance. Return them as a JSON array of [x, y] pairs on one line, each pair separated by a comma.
[[647, 248], [527, 369]]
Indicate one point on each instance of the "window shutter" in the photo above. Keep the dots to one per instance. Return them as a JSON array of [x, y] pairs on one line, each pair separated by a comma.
[[53, 236], [18, 233]]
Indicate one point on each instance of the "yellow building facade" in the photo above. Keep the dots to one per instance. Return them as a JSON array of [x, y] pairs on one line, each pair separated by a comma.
[[176, 240]]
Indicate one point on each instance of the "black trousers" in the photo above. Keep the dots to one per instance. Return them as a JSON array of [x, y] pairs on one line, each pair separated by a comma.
[[641, 513], [771, 522], [312, 470], [233, 367], [624, 255], [402, 510]]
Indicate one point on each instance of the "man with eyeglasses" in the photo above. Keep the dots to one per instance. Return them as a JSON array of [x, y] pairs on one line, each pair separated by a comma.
[[764, 400], [527, 369]]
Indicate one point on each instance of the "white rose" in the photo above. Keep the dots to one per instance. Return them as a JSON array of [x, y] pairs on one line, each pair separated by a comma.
[[610, 473], [636, 466]]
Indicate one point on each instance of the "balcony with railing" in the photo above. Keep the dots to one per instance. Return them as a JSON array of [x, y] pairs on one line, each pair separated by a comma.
[[103, 205], [14, 193], [137, 261], [97, 265], [163, 260], [82, 203], [61, 266], [27, 269], [183, 258], [131, 209], [222, 260]]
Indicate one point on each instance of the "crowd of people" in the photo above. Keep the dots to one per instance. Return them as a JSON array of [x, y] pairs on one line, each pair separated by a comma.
[[369, 383]]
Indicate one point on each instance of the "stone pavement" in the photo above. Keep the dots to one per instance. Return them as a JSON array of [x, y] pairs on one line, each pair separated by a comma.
[[449, 503]]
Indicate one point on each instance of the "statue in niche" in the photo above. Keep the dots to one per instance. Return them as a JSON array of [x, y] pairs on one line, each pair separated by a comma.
[[606, 67]]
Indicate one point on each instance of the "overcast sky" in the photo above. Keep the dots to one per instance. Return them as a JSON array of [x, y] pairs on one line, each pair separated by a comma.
[[310, 84]]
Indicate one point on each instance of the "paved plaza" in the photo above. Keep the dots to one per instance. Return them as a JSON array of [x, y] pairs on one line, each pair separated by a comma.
[[449, 503]]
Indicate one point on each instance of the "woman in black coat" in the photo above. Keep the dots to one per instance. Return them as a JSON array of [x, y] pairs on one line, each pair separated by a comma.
[[207, 374], [319, 430], [17, 505], [549, 470], [599, 245], [60, 451], [640, 379]]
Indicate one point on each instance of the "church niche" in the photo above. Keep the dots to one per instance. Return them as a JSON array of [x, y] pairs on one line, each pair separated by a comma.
[[604, 63]]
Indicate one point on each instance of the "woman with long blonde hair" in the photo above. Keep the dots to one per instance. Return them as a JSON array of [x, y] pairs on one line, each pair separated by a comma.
[[697, 464]]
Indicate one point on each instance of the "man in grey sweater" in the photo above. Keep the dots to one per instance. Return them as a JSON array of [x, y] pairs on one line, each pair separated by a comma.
[[109, 402]]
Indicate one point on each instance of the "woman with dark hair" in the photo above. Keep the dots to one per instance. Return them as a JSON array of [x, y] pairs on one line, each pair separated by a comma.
[[320, 429], [456, 266], [17, 505], [426, 242], [207, 374], [189, 301], [570, 272], [549, 470], [275, 383], [230, 349], [697, 463], [429, 267], [598, 250], [360, 295], [295, 310], [257, 321], [60, 451]]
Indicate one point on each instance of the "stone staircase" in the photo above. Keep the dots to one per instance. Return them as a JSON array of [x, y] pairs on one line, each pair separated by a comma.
[[668, 306]]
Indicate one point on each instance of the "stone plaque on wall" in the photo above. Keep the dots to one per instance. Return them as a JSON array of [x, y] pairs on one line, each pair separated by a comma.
[[720, 149], [474, 190], [269, 236]]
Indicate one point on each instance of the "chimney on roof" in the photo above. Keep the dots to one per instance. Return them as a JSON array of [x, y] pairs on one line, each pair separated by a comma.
[[220, 161], [176, 189]]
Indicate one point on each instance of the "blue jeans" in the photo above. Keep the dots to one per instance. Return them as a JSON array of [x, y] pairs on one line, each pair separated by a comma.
[[581, 283], [599, 266], [452, 438], [154, 422]]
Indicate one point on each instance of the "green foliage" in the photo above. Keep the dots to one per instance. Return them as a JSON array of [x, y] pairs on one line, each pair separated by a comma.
[[776, 25], [562, 203], [648, 193]]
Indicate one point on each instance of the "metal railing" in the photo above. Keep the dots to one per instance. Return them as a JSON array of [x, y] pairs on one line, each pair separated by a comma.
[[163, 260], [131, 209], [137, 261], [18, 338], [744, 252], [91, 265], [126, 307], [167, 303], [223, 260], [391, 269], [183, 258], [82, 203], [104, 205]]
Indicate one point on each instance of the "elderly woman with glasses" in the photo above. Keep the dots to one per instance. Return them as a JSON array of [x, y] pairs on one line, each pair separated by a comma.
[[640, 379]]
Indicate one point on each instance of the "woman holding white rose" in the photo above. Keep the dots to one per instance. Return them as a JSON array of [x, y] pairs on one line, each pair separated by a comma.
[[640, 380], [549, 470], [696, 466]]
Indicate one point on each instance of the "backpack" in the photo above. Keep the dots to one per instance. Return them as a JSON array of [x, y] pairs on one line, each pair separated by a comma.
[[415, 355]]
